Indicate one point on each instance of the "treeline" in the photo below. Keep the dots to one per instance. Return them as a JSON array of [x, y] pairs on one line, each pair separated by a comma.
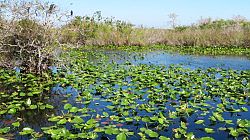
[[101, 32], [32, 34]]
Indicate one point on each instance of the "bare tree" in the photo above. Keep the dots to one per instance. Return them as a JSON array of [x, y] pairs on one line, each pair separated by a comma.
[[203, 21], [28, 34], [173, 19], [239, 18]]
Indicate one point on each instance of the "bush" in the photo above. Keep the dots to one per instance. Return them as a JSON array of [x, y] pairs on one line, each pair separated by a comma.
[[80, 29], [28, 36], [25, 46], [96, 30]]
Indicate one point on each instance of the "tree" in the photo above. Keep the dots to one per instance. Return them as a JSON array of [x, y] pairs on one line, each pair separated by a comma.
[[173, 19], [28, 36]]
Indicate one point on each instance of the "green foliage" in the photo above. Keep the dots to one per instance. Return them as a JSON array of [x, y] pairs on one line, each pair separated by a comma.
[[79, 30], [222, 23], [84, 30], [105, 31]]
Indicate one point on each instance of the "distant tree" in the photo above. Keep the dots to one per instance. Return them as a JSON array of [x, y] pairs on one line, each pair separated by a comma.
[[204, 21], [239, 18], [173, 19]]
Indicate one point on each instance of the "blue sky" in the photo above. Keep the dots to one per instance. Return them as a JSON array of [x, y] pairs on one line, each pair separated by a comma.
[[154, 13]]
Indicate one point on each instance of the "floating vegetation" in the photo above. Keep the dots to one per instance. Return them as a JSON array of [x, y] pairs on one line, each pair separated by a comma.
[[106, 100], [193, 50]]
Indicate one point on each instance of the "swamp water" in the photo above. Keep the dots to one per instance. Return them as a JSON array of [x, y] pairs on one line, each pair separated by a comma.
[[121, 95]]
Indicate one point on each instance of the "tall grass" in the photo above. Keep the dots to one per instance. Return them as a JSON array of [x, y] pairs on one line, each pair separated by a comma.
[[114, 32]]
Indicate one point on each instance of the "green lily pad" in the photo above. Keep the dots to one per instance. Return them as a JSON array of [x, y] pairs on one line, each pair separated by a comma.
[[54, 119], [151, 133], [164, 138], [244, 109], [62, 121], [121, 136], [67, 106], [199, 121], [33, 106], [49, 106], [77, 120], [12, 111], [74, 109], [234, 133], [243, 123], [26, 131], [206, 138], [28, 102], [161, 120], [4, 130], [209, 130], [16, 124]]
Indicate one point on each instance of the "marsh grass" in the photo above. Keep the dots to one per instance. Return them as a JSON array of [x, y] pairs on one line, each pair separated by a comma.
[[106, 31]]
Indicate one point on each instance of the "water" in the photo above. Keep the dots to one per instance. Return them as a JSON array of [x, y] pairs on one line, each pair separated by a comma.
[[188, 61]]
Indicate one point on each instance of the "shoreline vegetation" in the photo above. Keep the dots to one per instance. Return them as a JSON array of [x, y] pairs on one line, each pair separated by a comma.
[[189, 50], [30, 36]]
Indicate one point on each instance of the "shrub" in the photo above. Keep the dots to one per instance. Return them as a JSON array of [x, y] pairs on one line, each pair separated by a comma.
[[96, 30], [28, 35]]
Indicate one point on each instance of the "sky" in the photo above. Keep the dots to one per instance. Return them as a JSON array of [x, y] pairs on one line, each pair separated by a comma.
[[154, 13]]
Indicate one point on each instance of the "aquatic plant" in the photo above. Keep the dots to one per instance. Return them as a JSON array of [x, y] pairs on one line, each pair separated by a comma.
[[86, 100]]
